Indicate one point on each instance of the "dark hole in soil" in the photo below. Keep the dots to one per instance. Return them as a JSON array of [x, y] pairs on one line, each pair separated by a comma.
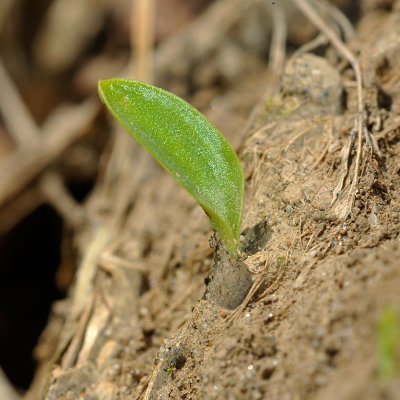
[[80, 190], [255, 238], [331, 352], [29, 257], [267, 372], [177, 359], [384, 100], [179, 362]]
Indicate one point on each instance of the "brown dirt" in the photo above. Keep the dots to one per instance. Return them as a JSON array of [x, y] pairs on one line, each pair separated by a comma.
[[315, 335], [321, 279], [310, 329]]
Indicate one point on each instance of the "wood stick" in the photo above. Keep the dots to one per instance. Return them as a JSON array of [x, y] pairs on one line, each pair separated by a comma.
[[277, 52], [142, 39], [25, 165], [16, 116], [54, 190], [14, 211], [6, 390]]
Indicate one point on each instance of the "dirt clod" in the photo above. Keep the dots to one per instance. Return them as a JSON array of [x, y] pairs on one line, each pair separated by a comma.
[[229, 281]]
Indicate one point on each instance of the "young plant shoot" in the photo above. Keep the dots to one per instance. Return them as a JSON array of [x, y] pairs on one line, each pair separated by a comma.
[[187, 146]]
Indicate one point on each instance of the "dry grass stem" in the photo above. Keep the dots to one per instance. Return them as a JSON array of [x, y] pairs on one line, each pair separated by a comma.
[[142, 40], [6, 389], [20, 124], [72, 353], [37, 148], [55, 192], [277, 51], [360, 123], [337, 16]]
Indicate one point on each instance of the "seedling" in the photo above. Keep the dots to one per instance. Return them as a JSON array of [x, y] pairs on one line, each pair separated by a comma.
[[187, 146], [388, 343]]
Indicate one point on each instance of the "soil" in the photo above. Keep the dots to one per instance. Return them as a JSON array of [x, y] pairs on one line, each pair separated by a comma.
[[310, 329], [166, 316]]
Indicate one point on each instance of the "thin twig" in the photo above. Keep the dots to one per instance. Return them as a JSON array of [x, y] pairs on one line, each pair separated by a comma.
[[313, 16], [393, 125], [20, 167], [71, 355], [21, 126], [26, 202], [257, 283], [148, 393], [324, 152], [54, 190], [24, 165], [354, 183], [274, 285], [340, 18], [30, 160], [142, 39], [110, 261], [101, 237], [360, 123], [318, 41], [345, 165], [277, 51], [6, 390]]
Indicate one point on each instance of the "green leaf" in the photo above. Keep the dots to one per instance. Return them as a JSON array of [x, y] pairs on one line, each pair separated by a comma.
[[388, 343], [186, 145]]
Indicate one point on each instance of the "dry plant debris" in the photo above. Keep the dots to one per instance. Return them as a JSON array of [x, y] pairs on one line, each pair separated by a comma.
[[133, 326]]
